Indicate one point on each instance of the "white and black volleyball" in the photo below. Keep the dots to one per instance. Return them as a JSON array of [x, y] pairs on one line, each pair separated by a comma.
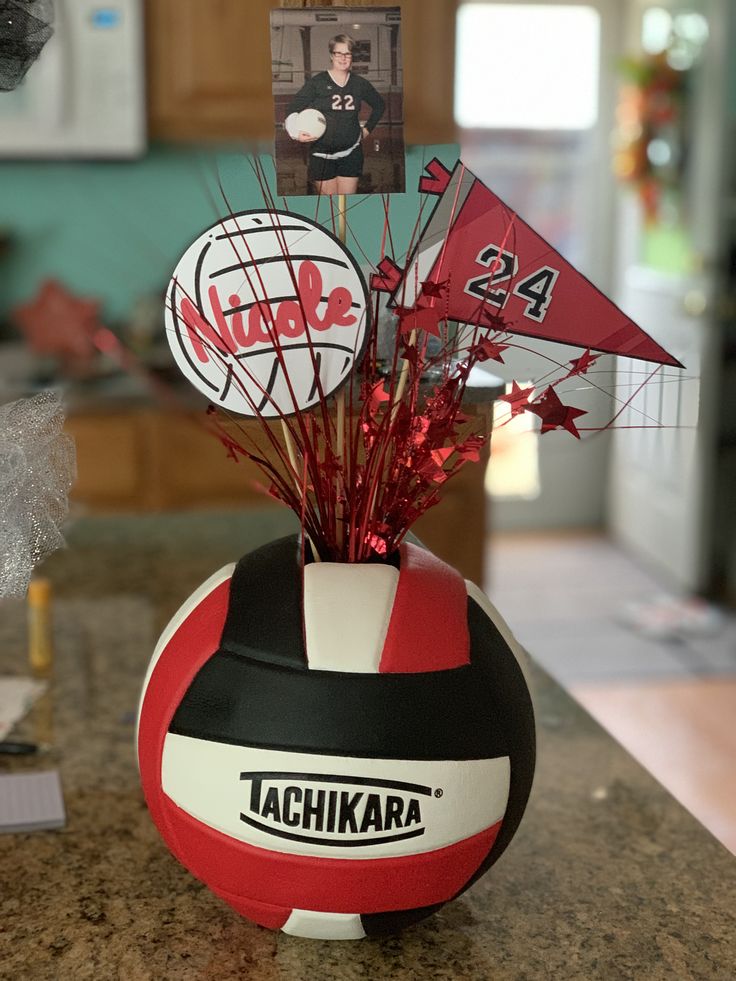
[[267, 313], [336, 750]]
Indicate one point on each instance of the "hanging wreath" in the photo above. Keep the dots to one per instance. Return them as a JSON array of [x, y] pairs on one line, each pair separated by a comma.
[[649, 139]]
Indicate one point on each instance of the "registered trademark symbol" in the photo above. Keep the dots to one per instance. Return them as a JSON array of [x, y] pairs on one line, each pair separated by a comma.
[[439, 792]]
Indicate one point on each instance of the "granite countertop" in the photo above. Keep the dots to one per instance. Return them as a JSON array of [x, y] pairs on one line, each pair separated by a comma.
[[608, 877]]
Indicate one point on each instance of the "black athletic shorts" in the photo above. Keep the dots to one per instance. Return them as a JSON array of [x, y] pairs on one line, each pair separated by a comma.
[[321, 169]]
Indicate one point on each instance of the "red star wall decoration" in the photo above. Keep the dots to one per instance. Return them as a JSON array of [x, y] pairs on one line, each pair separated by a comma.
[[57, 322]]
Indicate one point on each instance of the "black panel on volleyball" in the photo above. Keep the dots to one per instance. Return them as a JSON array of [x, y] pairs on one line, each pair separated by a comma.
[[264, 617]]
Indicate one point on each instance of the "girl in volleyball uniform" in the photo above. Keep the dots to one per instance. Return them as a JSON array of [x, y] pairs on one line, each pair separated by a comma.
[[336, 158]]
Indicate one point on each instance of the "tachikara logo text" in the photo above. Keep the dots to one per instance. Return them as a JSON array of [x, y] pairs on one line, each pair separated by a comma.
[[334, 809]]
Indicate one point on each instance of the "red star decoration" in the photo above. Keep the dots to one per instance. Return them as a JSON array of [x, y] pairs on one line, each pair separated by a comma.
[[491, 319], [424, 318], [554, 414], [580, 365], [470, 449], [431, 469], [436, 179], [388, 277], [430, 288], [376, 397], [517, 398], [231, 446], [442, 455], [57, 322], [490, 350]]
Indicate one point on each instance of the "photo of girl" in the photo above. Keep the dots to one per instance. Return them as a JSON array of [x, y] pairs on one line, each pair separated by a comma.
[[339, 130], [336, 157]]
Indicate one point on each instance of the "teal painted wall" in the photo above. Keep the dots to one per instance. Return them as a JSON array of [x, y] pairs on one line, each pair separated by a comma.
[[115, 231]]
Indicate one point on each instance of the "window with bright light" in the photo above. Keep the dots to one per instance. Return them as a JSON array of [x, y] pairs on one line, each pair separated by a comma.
[[527, 66], [513, 469]]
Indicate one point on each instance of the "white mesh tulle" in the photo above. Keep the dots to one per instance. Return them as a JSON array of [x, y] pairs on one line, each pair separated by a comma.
[[37, 469], [25, 27]]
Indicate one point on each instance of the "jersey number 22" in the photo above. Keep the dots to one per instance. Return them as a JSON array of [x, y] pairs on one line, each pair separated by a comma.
[[343, 101]]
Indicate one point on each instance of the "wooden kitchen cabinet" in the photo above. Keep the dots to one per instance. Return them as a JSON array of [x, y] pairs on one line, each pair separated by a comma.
[[209, 68], [146, 459], [113, 460]]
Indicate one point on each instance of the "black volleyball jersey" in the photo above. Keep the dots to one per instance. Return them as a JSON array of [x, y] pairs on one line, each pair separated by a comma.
[[340, 105]]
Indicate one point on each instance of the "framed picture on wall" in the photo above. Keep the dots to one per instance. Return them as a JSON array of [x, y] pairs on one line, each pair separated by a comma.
[[338, 100]]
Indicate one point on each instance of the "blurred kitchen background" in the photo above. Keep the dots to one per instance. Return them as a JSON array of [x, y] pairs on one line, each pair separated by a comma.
[[609, 125]]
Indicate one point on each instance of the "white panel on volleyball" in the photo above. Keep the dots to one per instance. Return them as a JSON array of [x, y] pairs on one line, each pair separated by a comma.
[[347, 635], [477, 594], [341, 807], [324, 926], [187, 607]]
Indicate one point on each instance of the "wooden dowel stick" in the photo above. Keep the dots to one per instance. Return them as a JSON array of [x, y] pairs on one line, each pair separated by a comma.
[[341, 229], [340, 422], [340, 397], [402, 378], [291, 453]]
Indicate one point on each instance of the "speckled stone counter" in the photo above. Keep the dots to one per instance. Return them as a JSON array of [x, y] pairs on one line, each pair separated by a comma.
[[608, 877]]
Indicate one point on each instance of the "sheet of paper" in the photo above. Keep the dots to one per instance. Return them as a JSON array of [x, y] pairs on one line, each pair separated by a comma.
[[16, 697], [31, 802]]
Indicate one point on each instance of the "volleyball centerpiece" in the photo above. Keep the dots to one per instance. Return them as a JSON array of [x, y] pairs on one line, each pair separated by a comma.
[[335, 734]]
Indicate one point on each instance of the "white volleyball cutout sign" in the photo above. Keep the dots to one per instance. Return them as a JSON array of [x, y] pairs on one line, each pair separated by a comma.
[[266, 313]]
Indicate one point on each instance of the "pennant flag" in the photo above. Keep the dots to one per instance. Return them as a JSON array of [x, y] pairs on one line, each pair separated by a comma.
[[501, 275]]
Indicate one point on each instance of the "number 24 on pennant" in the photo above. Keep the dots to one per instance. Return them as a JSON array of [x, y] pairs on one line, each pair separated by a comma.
[[536, 289]]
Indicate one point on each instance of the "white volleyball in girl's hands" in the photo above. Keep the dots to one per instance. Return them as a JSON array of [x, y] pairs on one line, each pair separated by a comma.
[[290, 125], [310, 121]]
